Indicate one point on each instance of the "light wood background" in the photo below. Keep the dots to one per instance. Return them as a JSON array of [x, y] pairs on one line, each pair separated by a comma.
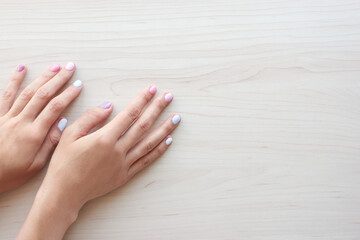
[[269, 145]]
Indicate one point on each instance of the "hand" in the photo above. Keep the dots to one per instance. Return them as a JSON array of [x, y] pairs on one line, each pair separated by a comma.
[[84, 166], [30, 126]]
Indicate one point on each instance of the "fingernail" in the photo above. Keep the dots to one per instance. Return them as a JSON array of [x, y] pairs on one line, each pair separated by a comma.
[[106, 105], [62, 124], [176, 119], [70, 66], [55, 68], [20, 68], [77, 83], [152, 89], [168, 141], [168, 97]]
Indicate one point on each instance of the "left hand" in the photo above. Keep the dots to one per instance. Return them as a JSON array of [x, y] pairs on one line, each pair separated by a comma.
[[30, 125]]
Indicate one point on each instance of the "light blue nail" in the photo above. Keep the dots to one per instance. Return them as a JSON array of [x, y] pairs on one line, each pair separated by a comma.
[[77, 83], [168, 141], [176, 119], [62, 124]]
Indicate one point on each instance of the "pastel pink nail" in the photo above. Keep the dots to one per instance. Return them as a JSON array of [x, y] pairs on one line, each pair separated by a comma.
[[106, 105], [20, 68], [70, 66], [152, 89], [168, 97], [55, 68]]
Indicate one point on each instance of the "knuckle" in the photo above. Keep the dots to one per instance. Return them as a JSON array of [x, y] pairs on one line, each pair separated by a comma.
[[93, 113], [146, 162], [26, 94], [80, 130], [159, 104], [54, 138], [149, 146], [145, 125], [104, 141], [133, 113], [15, 79], [57, 106], [7, 95], [43, 93], [47, 75], [159, 151], [168, 127]]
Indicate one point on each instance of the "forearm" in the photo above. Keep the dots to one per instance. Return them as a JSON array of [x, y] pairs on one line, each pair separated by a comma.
[[48, 218]]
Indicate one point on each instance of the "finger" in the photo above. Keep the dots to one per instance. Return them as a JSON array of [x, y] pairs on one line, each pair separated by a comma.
[[91, 118], [147, 144], [29, 91], [46, 92], [52, 111], [146, 160], [49, 144], [131, 112], [11, 89], [146, 120]]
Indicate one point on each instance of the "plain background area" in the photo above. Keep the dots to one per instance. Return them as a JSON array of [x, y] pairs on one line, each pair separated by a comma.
[[269, 145]]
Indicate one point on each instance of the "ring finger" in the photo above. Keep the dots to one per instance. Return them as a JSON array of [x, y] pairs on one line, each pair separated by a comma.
[[148, 143], [46, 92], [29, 91], [146, 120]]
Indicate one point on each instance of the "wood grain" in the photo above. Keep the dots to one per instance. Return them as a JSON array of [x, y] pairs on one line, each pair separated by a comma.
[[269, 145]]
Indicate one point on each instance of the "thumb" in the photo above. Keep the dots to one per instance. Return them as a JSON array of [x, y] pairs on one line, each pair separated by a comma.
[[90, 119], [48, 146]]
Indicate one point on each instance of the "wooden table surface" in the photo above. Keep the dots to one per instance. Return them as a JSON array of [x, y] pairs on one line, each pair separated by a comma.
[[269, 145]]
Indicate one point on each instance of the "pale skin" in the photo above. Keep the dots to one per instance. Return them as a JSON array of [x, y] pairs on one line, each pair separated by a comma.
[[84, 165]]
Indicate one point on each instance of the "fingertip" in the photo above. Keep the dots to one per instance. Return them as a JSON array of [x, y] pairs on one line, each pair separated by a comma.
[[107, 105], [78, 83], [176, 118], [55, 67], [168, 140], [70, 66], [21, 68], [152, 89], [168, 97], [62, 124]]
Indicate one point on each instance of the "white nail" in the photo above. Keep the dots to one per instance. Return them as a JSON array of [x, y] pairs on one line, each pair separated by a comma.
[[77, 83], [62, 124], [176, 119], [168, 141]]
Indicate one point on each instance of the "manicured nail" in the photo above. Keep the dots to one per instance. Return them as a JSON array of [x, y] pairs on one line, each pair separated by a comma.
[[168, 141], [77, 83], [62, 124], [20, 68], [176, 119], [70, 66], [106, 105], [168, 97], [55, 68], [152, 89]]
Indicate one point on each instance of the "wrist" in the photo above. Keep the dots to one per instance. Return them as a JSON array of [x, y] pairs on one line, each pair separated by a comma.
[[49, 218], [55, 204]]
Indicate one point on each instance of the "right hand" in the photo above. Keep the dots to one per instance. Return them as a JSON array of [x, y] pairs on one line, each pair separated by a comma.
[[85, 166]]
